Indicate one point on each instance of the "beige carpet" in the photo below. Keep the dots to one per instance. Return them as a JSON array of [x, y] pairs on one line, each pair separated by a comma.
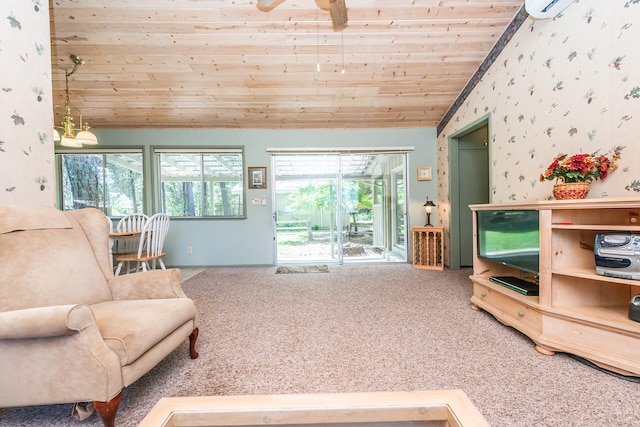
[[364, 328]]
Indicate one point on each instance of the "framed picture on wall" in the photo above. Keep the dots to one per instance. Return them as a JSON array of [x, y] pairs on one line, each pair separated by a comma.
[[424, 173], [257, 177]]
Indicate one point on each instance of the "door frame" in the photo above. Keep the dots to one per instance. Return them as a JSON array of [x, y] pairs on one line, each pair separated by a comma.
[[454, 184], [395, 172], [404, 151]]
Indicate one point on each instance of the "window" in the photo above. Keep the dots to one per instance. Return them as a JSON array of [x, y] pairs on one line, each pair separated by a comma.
[[110, 180], [201, 182]]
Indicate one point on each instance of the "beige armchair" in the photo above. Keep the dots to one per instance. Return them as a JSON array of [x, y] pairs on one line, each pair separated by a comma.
[[69, 330]]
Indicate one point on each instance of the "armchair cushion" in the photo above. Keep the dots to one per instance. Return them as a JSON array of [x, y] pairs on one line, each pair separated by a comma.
[[49, 264], [130, 328]]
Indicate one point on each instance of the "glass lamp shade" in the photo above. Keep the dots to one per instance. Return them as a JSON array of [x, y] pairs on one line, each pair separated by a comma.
[[56, 135], [86, 137], [428, 207], [70, 142]]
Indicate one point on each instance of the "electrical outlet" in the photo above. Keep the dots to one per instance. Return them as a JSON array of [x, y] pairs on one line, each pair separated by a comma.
[[189, 249]]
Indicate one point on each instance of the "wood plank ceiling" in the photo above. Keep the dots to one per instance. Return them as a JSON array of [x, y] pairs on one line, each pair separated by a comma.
[[226, 64]]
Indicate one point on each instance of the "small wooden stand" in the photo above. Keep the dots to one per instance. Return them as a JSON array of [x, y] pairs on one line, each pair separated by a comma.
[[428, 248]]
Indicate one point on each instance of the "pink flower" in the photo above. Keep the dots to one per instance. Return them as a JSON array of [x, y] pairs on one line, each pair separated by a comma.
[[582, 167]]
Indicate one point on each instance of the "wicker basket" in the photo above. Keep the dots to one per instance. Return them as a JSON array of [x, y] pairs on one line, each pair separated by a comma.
[[571, 190]]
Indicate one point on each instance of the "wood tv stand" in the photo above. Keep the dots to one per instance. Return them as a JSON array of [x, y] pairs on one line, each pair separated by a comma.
[[578, 311]]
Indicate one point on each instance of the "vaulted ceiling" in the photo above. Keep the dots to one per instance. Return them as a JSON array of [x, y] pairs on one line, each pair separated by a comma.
[[227, 64]]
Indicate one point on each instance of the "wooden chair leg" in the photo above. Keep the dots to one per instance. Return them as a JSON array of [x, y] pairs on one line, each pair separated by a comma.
[[192, 343], [108, 410]]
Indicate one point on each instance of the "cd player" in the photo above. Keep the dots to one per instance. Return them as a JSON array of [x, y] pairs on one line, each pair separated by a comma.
[[618, 255]]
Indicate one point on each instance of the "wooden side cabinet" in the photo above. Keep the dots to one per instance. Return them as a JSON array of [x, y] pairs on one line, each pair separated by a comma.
[[428, 248]]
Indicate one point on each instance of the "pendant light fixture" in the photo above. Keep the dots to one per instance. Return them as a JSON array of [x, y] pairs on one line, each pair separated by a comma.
[[69, 137], [317, 43], [342, 36]]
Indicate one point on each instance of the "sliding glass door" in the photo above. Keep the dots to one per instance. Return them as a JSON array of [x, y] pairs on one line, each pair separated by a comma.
[[306, 216], [339, 207]]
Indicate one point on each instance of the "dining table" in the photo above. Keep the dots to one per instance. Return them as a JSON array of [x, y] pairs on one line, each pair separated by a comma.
[[115, 237]]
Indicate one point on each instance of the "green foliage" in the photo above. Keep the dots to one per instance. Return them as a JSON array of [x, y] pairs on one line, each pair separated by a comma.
[[357, 197], [96, 180]]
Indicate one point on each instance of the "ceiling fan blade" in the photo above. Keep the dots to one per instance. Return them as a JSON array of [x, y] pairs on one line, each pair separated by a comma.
[[337, 10], [267, 5]]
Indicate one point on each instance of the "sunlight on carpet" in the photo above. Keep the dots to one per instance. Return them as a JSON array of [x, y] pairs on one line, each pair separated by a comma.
[[302, 269]]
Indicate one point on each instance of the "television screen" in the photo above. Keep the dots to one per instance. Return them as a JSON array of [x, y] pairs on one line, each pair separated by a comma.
[[510, 237]]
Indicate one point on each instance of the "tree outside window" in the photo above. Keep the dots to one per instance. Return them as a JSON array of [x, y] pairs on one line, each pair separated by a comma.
[[201, 183], [108, 180]]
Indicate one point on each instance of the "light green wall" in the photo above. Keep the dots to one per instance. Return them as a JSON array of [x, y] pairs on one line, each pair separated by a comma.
[[249, 241]]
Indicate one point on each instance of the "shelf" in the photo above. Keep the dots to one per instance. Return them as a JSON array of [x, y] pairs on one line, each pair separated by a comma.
[[590, 274], [597, 227], [616, 318], [528, 300]]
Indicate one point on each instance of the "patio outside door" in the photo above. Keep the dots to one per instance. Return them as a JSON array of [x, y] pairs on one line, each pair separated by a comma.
[[339, 208], [306, 220]]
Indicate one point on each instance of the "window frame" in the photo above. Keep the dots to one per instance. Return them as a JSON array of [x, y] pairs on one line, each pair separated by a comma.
[[61, 151], [156, 152]]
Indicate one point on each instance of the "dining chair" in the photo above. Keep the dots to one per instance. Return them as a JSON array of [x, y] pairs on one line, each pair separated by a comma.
[[130, 223], [150, 247]]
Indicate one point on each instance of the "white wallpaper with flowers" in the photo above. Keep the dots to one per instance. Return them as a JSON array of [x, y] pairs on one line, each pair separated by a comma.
[[565, 85], [26, 117]]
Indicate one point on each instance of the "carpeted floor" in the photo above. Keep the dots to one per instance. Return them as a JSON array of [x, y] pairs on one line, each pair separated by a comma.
[[364, 328]]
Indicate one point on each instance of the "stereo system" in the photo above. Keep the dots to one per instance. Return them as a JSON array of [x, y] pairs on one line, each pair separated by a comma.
[[618, 255], [634, 308]]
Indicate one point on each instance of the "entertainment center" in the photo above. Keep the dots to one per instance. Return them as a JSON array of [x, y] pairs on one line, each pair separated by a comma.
[[577, 310]]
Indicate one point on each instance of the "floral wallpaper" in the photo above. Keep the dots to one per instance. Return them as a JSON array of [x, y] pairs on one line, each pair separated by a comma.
[[565, 85], [26, 116]]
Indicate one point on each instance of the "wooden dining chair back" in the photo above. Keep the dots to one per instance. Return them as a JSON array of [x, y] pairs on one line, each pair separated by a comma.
[[150, 248]]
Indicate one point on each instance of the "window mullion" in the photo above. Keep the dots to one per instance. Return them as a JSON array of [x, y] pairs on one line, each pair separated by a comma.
[[202, 186]]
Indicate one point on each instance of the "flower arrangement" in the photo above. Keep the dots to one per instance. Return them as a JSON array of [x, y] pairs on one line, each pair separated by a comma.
[[582, 167]]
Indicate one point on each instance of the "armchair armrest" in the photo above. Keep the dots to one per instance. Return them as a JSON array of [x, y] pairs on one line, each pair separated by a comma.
[[152, 284], [55, 354], [42, 322]]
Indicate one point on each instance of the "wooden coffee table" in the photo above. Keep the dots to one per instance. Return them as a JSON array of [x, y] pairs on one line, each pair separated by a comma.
[[441, 408]]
